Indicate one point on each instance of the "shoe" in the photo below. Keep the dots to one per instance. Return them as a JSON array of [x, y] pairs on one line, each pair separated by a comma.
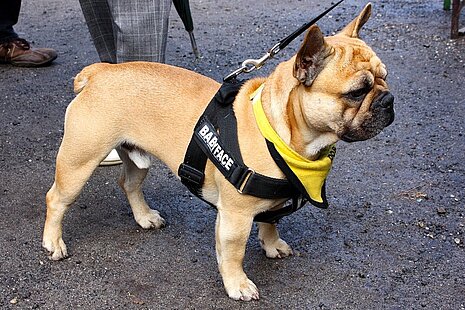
[[18, 52], [111, 159]]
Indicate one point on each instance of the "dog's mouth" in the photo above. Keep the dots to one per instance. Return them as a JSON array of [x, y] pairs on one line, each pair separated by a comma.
[[369, 130], [382, 115], [348, 138], [370, 127]]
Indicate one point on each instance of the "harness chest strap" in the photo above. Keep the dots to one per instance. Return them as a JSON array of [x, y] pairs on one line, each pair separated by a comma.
[[223, 150]]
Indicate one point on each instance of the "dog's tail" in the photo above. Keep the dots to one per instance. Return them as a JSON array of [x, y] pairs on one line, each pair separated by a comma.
[[83, 77]]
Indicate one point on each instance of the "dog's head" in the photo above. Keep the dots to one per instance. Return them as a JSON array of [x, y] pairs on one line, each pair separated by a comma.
[[341, 84]]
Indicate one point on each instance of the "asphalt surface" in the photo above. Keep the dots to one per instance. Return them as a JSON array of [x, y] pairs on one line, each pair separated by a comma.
[[393, 237]]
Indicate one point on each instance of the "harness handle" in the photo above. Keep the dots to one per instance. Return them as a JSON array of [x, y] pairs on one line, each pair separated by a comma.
[[250, 65]]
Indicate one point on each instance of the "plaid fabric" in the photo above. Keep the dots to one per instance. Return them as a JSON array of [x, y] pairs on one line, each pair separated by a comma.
[[125, 30]]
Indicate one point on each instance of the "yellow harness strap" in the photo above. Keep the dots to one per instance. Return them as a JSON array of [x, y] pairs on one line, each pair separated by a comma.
[[311, 173]]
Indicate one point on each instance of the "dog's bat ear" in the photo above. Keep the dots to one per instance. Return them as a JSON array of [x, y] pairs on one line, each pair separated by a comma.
[[310, 58], [353, 28]]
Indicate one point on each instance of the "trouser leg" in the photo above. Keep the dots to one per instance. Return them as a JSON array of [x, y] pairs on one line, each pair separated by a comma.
[[9, 12], [141, 29], [100, 24]]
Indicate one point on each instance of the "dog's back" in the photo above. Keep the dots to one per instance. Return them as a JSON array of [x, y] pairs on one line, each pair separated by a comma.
[[129, 98]]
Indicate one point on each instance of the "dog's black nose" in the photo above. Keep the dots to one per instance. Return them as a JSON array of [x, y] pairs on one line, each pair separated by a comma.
[[384, 101]]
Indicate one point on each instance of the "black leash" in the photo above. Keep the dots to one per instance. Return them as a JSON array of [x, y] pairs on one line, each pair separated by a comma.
[[251, 64]]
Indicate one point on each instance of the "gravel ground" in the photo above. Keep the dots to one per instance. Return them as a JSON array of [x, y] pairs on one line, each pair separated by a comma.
[[393, 237]]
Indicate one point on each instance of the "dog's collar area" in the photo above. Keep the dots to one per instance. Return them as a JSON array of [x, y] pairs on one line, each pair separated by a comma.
[[224, 152], [307, 175]]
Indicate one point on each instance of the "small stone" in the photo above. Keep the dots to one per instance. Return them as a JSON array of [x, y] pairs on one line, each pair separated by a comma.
[[421, 224], [457, 241], [14, 301], [441, 211], [367, 205], [138, 301]]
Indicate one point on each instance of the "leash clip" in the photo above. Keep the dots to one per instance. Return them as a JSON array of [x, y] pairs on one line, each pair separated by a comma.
[[250, 65], [258, 63]]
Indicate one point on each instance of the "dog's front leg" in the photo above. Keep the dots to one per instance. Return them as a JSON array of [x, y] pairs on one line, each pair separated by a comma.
[[232, 232], [271, 243]]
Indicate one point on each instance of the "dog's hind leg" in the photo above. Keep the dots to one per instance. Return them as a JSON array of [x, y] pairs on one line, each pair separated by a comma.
[[86, 142], [73, 169], [131, 182], [271, 243]]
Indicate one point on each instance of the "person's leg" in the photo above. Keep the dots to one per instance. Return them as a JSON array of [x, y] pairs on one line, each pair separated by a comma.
[[14, 50], [99, 21], [9, 12], [141, 29]]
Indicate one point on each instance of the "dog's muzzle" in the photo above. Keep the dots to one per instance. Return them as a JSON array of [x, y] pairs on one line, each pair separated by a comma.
[[384, 104], [382, 115]]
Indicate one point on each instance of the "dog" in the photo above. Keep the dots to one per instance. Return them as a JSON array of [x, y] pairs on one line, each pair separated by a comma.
[[333, 89]]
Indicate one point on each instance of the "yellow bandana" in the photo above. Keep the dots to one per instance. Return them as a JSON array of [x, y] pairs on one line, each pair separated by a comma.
[[311, 173]]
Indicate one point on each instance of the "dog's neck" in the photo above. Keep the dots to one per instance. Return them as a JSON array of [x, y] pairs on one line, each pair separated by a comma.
[[281, 104]]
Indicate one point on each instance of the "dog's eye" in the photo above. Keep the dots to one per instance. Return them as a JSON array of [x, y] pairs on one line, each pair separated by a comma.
[[358, 94]]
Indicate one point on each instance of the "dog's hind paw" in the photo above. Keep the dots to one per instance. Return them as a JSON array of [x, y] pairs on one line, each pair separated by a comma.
[[57, 250], [246, 290], [276, 249], [151, 219]]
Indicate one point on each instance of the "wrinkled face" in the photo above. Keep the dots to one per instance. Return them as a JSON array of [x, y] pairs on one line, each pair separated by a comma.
[[359, 104], [343, 86]]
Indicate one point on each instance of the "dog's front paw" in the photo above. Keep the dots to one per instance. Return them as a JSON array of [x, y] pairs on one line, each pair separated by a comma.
[[243, 289], [276, 249], [56, 249], [151, 219]]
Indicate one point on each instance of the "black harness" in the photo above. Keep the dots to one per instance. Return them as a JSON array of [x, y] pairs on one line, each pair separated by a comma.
[[215, 138]]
